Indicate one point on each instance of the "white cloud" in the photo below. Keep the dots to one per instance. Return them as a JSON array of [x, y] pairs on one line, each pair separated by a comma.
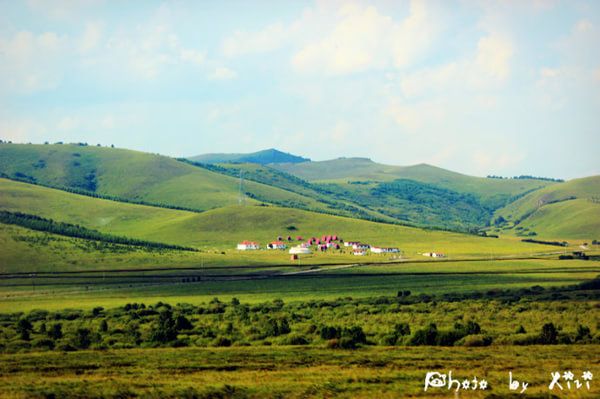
[[262, 41], [192, 56], [91, 37], [30, 62], [488, 68], [596, 75], [108, 122], [494, 53], [222, 73], [362, 38], [21, 130], [63, 10], [486, 161], [68, 123]]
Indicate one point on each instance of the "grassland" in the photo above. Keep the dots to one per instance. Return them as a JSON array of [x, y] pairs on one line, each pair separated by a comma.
[[134, 175], [561, 211], [285, 372], [223, 228], [490, 191]]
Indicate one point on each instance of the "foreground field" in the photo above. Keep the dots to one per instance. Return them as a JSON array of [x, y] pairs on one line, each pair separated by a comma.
[[291, 372], [291, 283]]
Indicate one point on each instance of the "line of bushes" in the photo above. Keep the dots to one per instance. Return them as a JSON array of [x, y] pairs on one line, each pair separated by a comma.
[[38, 223]]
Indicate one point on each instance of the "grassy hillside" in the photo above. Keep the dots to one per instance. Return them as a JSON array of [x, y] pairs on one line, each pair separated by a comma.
[[224, 227], [492, 192], [338, 204], [261, 157], [561, 211], [136, 176]]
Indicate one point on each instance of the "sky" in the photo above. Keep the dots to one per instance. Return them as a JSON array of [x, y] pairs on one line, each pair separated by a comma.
[[479, 87]]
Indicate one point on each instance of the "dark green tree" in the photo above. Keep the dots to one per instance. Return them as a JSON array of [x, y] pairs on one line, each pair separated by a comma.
[[24, 329], [164, 330], [549, 334], [56, 331]]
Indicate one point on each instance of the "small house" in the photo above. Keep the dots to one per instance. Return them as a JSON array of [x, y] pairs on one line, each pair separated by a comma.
[[351, 243], [248, 246], [434, 254], [277, 245], [384, 250], [360, 252], [361, 246]]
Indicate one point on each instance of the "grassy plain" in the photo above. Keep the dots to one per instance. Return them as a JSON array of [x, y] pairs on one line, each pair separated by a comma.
[[290, 372]]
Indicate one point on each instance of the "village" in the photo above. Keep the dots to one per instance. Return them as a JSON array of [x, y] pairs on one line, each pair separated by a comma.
[[300, 246]]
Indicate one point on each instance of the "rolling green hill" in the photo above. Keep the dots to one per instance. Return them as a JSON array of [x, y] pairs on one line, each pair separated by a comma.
[[223, 228], [136, 176], [261, 157], [338, 204], [560, 211], [493, 193]]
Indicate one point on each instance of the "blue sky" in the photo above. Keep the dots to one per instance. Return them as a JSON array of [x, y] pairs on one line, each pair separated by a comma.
[[480, 87]]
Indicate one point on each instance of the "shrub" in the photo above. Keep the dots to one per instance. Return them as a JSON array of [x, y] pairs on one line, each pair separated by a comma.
[[221, 341], [56, 331], [164, 330], [355, 334], [24, 329], [425, 336], [548, 335], [329, 332], [295, 339], [475, 340], [82, 338], [43, 343], [182, 323], [583, 333], [402, 329]]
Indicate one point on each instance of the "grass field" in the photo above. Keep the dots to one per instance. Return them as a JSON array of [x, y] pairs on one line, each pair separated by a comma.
[[223, 228], [134, 175], [561, 211], [257, 284], [288, 372], [362, 169]]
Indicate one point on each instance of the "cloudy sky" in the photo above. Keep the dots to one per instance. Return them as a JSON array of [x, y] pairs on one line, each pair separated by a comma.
[[480, 87]]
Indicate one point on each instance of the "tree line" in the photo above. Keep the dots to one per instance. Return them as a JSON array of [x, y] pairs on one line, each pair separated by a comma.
[[38, 223]]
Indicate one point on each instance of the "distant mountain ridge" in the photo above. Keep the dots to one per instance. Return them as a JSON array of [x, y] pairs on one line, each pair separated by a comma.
[[264, 157]]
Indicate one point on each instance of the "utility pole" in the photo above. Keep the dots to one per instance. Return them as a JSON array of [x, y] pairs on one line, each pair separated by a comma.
[[241, 197]]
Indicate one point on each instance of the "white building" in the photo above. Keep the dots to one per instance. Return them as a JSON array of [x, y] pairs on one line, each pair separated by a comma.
[[380, 250], [277, 245], [434, 254], [360, 252], [351, 243], [300, 250], [361, 246], [248, 246]]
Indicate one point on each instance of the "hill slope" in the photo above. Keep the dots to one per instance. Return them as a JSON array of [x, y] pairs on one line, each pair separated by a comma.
[[561, 211], [493, 193], [136, 176], [261, 157], [223, 228]]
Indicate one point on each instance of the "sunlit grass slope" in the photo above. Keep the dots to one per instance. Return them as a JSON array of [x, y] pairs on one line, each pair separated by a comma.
[[352, 169], [134, 175], [569, 210], [224, 227]]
